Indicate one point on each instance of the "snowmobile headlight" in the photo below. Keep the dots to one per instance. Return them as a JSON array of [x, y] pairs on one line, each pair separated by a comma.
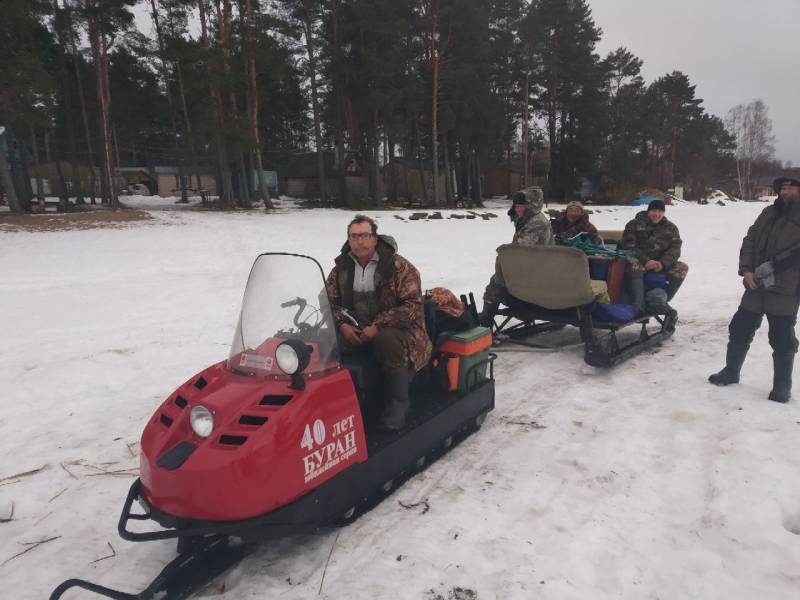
[[201, 420], [293, 356]]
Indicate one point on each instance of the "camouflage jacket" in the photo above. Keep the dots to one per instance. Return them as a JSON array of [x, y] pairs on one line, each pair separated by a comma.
[[562, 227], [399, 290], [661, 242], [532, 228], [776, 229]]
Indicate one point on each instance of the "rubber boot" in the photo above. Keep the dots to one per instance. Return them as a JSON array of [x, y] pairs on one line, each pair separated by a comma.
[[635, 289], [486, 318], [396, 401], [782, 376], [734, 360], [673, 285]]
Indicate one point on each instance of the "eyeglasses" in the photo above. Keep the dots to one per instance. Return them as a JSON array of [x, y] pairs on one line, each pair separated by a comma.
[[359, 236]]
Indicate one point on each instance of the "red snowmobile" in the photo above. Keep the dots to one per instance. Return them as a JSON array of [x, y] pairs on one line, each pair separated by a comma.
[[279, 438]]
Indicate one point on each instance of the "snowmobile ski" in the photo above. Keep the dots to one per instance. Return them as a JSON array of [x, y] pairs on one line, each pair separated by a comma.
[[188, 572]]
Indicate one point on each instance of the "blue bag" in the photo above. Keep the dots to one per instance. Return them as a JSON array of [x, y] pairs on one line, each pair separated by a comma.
[[617, 313], [655, 280]]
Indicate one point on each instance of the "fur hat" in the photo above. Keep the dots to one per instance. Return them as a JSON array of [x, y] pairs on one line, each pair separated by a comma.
[[781, 181]]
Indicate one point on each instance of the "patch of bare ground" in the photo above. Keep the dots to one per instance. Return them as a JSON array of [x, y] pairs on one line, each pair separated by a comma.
[[89, 219]]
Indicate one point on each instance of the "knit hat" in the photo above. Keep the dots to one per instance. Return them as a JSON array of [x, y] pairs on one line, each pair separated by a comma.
[[781, 181], [656, 205], [575, 203]]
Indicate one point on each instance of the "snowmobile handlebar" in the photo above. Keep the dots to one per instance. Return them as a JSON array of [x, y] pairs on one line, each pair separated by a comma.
[[301, 302]]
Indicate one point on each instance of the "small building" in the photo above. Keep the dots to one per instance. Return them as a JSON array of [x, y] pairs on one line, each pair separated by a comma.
[[165, 181], [404, 177], [298, 175], [51, 182], [502, 179]]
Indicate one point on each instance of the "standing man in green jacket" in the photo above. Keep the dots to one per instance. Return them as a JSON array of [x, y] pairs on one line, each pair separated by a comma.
[[768, 264], [656, 243]]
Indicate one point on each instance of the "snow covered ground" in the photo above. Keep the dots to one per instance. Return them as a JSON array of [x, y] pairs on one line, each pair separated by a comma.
[[639, 482]]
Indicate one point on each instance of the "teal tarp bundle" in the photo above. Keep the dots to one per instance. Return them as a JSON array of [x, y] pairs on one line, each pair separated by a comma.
[[582, 242]]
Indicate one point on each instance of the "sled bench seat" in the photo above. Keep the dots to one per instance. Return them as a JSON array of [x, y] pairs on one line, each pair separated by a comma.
[[553, 277]]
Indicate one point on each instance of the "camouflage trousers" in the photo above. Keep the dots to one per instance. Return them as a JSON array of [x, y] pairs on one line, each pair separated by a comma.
[[679, 270], [495, 291], [389, 347]]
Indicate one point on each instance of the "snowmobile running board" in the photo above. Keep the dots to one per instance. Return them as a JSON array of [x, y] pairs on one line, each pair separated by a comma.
[[187, 573]]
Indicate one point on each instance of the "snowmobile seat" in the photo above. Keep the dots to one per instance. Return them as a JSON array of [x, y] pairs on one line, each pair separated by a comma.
[[552, 285]]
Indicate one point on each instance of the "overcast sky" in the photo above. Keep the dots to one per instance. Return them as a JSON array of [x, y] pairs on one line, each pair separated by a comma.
[[733, 50]]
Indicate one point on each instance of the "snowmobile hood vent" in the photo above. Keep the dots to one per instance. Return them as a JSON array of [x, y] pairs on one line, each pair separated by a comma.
[[180, 401], [165, 420], [256, 420], [232, 440], [275, 399], [200, 383]]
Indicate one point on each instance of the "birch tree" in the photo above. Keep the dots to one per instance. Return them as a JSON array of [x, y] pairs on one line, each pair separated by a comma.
[[751, 126]]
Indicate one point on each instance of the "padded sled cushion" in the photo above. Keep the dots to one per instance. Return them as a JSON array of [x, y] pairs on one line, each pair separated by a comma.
[[553, 277]]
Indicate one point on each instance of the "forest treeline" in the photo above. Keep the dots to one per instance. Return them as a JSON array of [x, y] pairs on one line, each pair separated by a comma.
[[221, 86]]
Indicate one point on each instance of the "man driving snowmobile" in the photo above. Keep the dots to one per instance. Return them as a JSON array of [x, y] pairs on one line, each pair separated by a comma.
[[381, 294]]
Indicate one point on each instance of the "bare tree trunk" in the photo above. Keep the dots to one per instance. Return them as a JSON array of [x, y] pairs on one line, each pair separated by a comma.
[[435, 99], [420, 163], [99, 56], [308, 26], [226, 183], [84, 117], [188, 125], [525, 133], [37, 174], [251, 62], [6, 176], [61, 19], [339, 110], [448, 183], [170, 103], [224, 37]]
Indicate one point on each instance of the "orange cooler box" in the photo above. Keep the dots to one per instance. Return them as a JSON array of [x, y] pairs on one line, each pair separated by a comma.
[[466, 354]]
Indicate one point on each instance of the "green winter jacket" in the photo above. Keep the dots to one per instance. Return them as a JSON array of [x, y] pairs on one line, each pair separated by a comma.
[[776, 229], [661, 242]]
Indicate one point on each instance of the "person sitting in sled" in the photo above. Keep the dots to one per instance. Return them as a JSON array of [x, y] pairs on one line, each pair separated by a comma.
[[381, 294], [573, 221], [656, 243], [531, 228], [768, 263]]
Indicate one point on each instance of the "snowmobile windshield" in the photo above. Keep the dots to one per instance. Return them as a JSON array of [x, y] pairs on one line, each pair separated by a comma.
[[286, 324]]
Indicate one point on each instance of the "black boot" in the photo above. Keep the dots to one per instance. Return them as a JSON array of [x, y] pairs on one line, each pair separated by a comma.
[[486, 317], [733, 365], [396, 401], [635, 288], [673, 285], [782, 378]]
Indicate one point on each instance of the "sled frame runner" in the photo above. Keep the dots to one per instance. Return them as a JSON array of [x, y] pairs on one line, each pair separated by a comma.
[[550, 288]]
